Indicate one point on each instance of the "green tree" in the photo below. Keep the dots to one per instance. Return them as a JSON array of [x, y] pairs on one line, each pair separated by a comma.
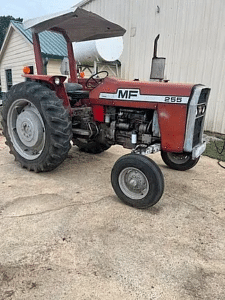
[[4, 24]]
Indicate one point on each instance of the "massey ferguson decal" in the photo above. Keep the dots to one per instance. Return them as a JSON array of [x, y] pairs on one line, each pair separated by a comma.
[[134, 95]]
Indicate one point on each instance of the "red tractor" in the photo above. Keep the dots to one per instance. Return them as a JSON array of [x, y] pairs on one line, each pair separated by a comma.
[[42, 115]]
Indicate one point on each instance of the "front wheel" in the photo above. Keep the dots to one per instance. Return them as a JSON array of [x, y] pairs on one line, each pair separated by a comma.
[[137, 180], [179, 161]]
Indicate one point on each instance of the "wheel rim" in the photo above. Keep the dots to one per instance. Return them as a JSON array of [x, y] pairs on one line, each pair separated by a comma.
[[178, 158], [26, 129], [133, 183]]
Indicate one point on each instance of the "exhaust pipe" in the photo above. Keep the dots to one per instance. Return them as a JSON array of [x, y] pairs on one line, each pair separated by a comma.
[[158, 63]]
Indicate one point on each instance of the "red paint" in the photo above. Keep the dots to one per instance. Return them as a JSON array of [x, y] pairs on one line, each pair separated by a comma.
[[62, 94], [98, 113], [111, 85], [37, 53], [172, 123], [72, 63], [122, 103], [47, 78]]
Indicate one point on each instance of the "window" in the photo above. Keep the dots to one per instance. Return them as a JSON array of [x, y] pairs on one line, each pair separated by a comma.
[[31, 69], [8, 74]]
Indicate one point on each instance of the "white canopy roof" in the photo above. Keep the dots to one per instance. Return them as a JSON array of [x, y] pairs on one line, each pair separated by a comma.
[[79, 24]]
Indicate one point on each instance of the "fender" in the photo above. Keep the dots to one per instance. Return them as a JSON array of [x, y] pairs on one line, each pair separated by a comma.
[[58, 87]]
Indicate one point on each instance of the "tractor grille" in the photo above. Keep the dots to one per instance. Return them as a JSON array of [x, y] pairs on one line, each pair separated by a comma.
[[195, 119], [204, 96], [198, 129], [200, 117]]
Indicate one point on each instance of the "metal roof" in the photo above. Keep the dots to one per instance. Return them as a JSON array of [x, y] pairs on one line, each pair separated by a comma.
[[82, 3], [79, 24], [52, 44]]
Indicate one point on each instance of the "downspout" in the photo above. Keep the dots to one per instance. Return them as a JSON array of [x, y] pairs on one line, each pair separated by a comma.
[[45, 64]]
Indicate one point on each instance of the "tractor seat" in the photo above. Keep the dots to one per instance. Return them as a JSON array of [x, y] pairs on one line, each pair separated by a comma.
[[72, 87], [75, 91]]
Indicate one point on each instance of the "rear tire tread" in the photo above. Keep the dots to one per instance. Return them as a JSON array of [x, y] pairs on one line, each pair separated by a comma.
[[51, 108], [93, 147]]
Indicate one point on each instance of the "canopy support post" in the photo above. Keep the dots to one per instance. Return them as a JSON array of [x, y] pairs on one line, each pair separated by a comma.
[[37, 53], [72, 61]]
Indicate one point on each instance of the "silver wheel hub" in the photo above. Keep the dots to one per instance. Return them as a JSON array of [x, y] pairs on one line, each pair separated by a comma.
[[178, 158], [29, 128], [26, 129], [133, 183]]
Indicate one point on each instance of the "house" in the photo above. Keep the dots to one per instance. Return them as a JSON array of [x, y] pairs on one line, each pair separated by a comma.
[[191, 38], [17, 52]]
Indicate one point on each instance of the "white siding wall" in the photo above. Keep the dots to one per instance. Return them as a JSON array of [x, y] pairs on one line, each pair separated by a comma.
[[17, 55], [191, 38], [53, 67]]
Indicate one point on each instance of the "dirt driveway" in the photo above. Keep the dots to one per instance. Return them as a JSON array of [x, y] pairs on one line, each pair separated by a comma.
[[65, 235]]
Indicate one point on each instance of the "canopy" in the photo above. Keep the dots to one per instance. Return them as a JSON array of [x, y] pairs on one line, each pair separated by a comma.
[[79, 24]]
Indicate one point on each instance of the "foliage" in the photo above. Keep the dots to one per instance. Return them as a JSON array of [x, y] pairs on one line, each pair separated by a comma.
[[211, 149], [4, 24]]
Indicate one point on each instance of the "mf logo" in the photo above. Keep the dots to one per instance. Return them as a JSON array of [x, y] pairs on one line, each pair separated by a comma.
[[127, 94]]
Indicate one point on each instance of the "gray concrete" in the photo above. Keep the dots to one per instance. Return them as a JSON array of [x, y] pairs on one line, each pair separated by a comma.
[[65, 235]]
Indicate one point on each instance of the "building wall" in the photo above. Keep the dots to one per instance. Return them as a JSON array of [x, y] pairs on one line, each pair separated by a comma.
[[53, 67], [191, 38], [18, 54]]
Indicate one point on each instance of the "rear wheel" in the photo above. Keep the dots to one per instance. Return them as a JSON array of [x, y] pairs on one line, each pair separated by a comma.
[[137, 180], [37, 127], [179, 161]]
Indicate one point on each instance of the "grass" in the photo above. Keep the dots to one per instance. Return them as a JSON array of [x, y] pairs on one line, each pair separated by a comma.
[[213, 145]]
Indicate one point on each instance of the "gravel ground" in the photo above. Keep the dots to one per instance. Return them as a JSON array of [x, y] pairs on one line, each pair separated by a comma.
[[65, 235]]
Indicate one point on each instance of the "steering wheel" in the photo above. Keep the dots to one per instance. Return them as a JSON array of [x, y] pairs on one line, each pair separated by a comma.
[[95, 82]]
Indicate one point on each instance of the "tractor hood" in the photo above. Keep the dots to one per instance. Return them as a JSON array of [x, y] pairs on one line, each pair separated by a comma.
[[79, 24]]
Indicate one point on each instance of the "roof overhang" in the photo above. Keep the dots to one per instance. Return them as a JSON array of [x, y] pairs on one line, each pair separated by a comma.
[[5, 42], [82, 3], [79, 24], [7, 38]]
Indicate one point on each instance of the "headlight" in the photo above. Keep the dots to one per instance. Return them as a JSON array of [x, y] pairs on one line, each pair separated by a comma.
[[57, 80], [200, 110]]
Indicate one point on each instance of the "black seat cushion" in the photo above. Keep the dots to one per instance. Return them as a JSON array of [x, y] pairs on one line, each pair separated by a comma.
[[75, 91], [79, 94], [72, 87]]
